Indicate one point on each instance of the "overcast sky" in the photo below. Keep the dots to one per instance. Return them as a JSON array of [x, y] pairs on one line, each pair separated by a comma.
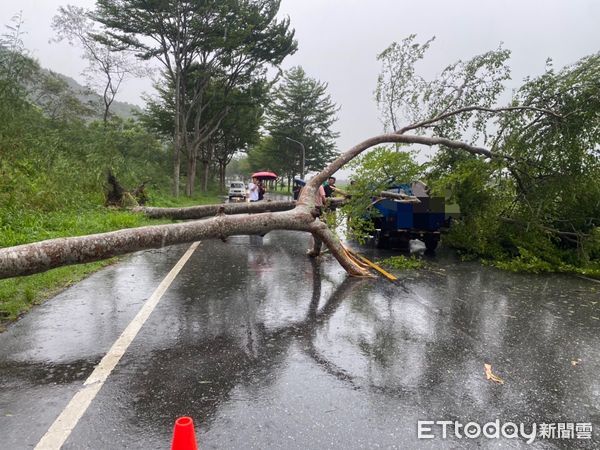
[[339, 40]]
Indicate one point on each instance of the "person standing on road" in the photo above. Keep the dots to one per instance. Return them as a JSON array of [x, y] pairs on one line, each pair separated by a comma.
[[320, 199], [329, 187], [253, 190], [296, 190]]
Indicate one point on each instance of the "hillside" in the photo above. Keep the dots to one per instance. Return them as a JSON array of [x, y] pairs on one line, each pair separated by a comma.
[[47, 89], [122, 109]]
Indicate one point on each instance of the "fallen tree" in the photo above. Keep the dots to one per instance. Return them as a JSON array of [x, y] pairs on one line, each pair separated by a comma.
[[201, 211], [45, 255]]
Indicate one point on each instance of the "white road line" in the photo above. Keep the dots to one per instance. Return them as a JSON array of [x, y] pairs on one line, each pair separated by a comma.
[[60, 430]]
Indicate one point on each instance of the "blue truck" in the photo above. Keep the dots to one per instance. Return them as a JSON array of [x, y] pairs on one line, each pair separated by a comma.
[[398, 222]]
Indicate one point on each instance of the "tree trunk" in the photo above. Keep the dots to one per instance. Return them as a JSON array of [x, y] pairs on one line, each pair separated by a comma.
[[32, 258], [176, 170], [177, 137], [199, 212], [222, 168], [191, 176], [205, 175]]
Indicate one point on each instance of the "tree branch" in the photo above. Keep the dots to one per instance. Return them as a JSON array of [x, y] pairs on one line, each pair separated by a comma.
[[308, 193], [444, 116], [198, 212]]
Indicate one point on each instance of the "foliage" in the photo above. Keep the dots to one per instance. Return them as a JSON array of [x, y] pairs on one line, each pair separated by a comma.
[[265, 155], [547, 203], [374, 172], [106, 69], [398, 82], [445, 104], [15, 65], [557, 168], [53, 166], [239, 167], [527, 261], [301, 111]]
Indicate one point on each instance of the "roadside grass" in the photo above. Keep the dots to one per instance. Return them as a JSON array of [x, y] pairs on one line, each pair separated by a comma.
[[280, 190], [18, 295], [168, 201], [538, 266], [21, 226]]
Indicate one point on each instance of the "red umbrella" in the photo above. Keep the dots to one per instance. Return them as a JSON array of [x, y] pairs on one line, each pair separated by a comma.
[[264, 175]]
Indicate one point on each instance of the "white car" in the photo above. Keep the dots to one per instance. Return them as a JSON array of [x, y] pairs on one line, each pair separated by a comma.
[[237, 190]]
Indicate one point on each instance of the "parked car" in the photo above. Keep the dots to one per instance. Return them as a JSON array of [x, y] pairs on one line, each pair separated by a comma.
[[237, 190]]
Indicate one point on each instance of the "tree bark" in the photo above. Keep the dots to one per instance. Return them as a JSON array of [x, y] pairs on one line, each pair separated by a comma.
[[222, 168], [199, 212], [32, 258], [191, 173], [177, 137]]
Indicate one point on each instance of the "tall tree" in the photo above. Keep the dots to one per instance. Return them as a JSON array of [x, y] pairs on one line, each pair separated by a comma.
[[197, 41], [267, 155], [106, 68], [16, 68], [235, 132], [240, 128], [301, 118]]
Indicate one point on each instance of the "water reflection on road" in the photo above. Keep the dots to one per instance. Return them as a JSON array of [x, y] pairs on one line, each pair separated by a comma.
[[267, 348], [274, 349]]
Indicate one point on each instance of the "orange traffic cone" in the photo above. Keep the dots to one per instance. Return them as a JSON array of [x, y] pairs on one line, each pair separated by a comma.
[[184, 437]]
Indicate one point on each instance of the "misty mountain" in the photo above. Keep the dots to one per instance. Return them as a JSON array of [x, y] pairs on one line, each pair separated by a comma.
[[85, 95], [53, 91]]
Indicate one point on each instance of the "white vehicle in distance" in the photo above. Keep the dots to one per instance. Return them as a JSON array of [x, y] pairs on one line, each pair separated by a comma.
[[237, 190]]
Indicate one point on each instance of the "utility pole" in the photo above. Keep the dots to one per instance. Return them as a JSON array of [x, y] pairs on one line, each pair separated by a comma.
[[303, 155]]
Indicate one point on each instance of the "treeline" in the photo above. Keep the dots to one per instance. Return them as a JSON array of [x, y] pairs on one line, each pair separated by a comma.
[[217, 88]]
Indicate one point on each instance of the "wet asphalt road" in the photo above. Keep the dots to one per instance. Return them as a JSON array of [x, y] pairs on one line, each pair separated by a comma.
[[266, 348]]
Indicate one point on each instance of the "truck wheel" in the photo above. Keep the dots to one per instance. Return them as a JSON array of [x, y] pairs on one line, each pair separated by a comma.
[[431, 243], [379, 240]]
